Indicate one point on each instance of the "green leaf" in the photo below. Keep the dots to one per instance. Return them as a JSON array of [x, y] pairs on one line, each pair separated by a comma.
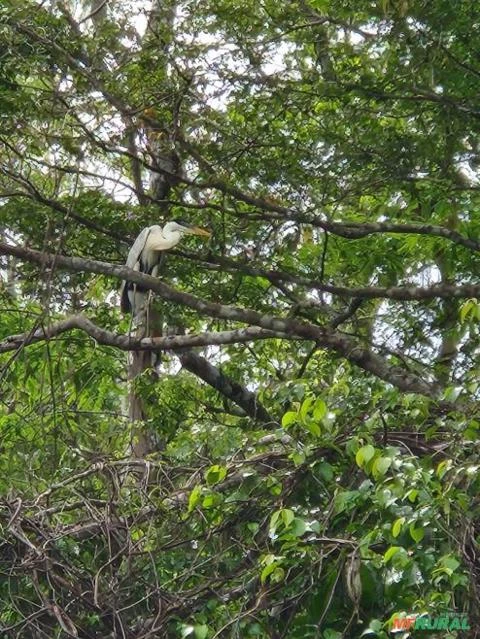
[[274, 519], [305, 407], [313, 428], [254, 630], [470, 308], [380, 466], [278, 575], [451, 393], [470, 434], [298, 527], [397, 526], [412, 495], [449, 562], [215, 474], [298, 458], [201, 632], [345, 500], [289, 418], [319, 410], [210, 500], [364, 455], [268, 570], [443, 467], [287, 516], [325, 470], [194, 497], [391, 552], [417, 534]]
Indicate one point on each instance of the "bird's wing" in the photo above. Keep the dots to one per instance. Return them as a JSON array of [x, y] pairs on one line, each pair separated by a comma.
[[135, 252], [133, 261]]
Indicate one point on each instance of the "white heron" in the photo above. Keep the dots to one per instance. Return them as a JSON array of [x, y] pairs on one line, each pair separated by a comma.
[[145, 256]]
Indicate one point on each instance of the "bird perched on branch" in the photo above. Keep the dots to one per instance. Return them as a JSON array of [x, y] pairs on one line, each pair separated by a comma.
[[145, 256]]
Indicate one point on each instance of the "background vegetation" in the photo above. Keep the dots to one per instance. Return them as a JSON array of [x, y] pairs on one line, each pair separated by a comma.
[[313, 458]]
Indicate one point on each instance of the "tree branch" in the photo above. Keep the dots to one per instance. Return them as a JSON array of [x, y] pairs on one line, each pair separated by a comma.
[[230, 389], [400, 293], [324, 336], [129, 343], [82, 265], [348, 230]]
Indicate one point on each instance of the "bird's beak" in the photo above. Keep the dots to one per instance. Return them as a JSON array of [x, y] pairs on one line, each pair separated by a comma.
[[196, 230]]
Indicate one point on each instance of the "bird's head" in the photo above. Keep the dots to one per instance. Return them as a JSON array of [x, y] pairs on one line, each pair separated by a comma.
[[180, 226]]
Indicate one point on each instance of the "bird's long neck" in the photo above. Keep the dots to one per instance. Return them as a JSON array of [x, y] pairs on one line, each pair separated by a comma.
[[163, 241], [172, 238]]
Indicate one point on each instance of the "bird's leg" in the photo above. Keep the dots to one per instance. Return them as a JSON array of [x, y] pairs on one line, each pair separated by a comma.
[[154, 273], [155, 329], [132, 312], [152, 320], [147, 314]]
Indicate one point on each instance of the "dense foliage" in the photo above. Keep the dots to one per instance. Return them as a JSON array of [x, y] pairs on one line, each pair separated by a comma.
[[318, 476]]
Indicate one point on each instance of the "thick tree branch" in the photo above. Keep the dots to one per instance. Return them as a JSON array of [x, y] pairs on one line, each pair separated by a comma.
[[348, 230], [358, 230], [81, 265], [324, 336], [230, 389], [405, 293], [130, 343]]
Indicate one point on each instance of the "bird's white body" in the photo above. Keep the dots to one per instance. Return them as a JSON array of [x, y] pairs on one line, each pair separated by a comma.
[[145, 256]]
